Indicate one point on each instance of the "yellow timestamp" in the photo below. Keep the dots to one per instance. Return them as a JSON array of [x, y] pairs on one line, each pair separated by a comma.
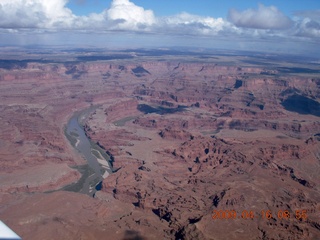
[[263, 214]]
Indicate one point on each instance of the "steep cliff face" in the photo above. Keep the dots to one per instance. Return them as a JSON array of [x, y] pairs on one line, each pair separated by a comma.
[[121, 110], [187, 184], [231, 145], [186, 139]]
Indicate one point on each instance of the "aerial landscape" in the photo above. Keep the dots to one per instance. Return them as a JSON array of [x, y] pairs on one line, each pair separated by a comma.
[[137, 120]]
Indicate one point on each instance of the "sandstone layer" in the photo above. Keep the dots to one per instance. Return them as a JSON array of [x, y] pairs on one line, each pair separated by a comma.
[[186, 138]]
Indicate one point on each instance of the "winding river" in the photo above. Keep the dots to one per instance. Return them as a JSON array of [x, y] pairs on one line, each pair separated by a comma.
[[98, 162], [97, 166]]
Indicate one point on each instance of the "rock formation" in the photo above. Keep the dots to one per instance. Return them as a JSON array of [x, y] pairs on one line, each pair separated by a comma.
[[187, 139]]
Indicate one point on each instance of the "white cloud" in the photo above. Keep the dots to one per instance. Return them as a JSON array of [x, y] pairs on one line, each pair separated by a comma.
[[262, 18], [266, 22], [128, 16], [122, 15], [53, 14], [34, 14], [308, 23], [192, 24], [308, 28]]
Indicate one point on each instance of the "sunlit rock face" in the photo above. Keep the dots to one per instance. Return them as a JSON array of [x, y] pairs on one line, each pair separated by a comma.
[[186, 138]]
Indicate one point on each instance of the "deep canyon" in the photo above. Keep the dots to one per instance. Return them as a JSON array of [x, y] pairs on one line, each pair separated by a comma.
[[185, 135]]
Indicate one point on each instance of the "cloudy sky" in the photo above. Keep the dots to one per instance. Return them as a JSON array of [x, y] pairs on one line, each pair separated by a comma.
[[273, 25]]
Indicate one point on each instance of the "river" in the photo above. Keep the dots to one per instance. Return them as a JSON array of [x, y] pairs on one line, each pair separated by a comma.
[[97, 166]]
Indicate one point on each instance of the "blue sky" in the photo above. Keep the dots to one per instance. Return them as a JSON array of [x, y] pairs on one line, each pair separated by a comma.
[[212, 8], [275, 26]]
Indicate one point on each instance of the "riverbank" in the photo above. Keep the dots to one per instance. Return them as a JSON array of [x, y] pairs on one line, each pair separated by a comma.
[[98, 164]]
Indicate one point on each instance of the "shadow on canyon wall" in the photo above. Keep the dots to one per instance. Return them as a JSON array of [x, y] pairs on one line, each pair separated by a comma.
[[302, 105], [159, 110]]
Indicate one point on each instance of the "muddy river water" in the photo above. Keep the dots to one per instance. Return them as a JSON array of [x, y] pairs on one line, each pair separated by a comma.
[[97, 166]]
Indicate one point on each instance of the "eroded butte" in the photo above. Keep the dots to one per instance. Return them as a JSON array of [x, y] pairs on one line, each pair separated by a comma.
[[186, 138]]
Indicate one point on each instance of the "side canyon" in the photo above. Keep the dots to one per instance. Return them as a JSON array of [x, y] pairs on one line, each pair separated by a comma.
[[185, 136]]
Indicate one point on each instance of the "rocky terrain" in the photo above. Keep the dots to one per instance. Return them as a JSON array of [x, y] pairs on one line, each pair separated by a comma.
[[187, 137]]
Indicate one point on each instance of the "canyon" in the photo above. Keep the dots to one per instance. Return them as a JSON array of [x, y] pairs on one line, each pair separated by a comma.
[[186, 135]]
